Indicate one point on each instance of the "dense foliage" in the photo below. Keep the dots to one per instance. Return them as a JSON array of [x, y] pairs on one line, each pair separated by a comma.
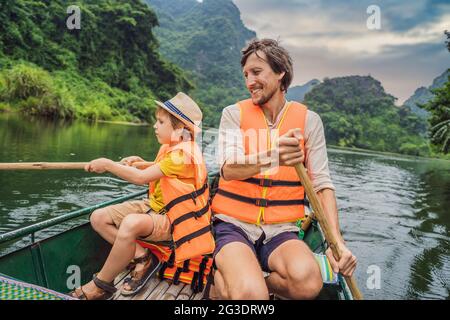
[[357, 112], [206, 39], [439, 120], [439, 108], [109, 69]]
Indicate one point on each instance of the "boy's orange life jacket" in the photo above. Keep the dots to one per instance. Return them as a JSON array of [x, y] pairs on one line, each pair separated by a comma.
[[187, 206], [276, 196], [194, 271]]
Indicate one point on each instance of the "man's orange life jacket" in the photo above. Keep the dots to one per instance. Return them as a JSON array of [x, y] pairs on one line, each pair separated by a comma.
[[187, 206], [276, 196]]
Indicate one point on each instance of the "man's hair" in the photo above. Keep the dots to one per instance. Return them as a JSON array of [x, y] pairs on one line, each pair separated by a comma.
[[277, 57]]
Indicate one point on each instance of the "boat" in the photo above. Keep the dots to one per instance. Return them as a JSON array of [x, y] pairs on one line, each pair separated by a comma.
[[48, 266]]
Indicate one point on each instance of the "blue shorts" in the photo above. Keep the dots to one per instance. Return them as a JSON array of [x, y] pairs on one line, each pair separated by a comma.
[[227, 233]]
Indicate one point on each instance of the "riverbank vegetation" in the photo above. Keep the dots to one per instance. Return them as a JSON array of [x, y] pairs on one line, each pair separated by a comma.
[[109, 69]]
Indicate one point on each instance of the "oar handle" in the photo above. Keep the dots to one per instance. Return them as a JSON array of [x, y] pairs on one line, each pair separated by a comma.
[[59, 165], [42, 165], [320, 216]]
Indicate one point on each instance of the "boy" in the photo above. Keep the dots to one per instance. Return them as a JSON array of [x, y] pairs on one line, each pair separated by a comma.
[[177, 171]]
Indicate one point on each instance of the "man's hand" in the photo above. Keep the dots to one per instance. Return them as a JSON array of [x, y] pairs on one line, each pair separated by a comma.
[[98, 165], [128, 161], [346, 265], [289, 149]]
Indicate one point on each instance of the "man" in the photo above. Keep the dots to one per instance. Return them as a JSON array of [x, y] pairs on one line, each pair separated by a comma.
[[258, 201]]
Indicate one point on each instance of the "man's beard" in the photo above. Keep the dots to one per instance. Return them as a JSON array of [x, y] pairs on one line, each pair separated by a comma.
[[265, 98]]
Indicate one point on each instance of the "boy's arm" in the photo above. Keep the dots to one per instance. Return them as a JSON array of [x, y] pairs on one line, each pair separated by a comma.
[[130, 174]]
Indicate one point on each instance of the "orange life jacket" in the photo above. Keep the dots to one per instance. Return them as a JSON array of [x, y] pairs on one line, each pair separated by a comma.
[[276, 196], [187, 206], [194, 271]]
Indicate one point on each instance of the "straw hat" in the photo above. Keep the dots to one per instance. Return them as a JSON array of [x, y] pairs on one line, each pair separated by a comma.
[[185, 109]]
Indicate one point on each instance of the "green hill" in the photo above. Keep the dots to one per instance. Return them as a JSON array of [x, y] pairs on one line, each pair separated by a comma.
[[357, 112], [109, 69], [206, 40], [423, 95], [297, 93]]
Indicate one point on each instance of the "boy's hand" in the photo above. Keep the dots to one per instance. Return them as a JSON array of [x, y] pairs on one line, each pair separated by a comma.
[[98, 165], [128, 161]]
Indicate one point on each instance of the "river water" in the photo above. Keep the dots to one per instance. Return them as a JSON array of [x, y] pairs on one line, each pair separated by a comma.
[[394, 211]]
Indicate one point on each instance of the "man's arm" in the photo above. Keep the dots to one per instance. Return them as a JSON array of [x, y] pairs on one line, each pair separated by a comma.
[[235, 165], [317, 165]]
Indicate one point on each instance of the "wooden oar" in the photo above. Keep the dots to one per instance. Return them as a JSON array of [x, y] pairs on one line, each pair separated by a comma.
[[42, 165], [58, 165], [320, 216]]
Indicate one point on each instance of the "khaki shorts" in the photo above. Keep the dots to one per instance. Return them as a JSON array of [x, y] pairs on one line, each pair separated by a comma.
[[161, 223]]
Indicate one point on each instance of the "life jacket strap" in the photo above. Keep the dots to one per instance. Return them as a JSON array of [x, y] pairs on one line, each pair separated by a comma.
[[191, 236], [162, 270], [186, 265], [176, 276], [194, 282], [193, 195], [260, 202], [272, 183], [190, 215]]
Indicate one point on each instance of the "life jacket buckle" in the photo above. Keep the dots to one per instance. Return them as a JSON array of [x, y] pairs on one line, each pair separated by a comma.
[[262, 202], [265, 182], [193, 196]]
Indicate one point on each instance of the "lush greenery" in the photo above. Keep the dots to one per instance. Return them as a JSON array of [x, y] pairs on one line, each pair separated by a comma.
[[439, 109], [109, 69], [439, 120], [206, 39], [357, 112]]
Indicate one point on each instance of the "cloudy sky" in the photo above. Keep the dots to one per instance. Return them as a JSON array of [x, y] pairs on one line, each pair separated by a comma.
[[330, 38]]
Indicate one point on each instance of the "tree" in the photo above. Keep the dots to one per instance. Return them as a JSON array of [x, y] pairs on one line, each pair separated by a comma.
[[440, 114]]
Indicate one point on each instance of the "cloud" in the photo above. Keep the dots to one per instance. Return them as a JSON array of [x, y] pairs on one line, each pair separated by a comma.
[[330, 38]]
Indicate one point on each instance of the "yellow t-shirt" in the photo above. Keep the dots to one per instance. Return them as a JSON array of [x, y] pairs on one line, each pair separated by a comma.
[[172, 165]]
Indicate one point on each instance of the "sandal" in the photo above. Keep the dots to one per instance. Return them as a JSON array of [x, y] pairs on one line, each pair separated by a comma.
[[108, 291], [139, 278]]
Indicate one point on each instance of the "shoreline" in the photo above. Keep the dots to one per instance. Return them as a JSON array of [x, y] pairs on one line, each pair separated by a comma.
[[146, 124]]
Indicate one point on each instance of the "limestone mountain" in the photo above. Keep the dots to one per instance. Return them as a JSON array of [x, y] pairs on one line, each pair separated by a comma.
[[423, 95], [205, 38], [357, 112], [297, 93]]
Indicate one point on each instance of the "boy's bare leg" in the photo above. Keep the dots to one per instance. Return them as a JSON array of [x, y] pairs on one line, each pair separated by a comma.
[[103, 224], [132, 227]]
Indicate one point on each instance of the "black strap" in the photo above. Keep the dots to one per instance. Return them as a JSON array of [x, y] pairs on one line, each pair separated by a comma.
[[171, 260], [189, 215], [201, 273], [192, 235], [192, 195], [273, 183], [194, 286], [259, 201], [162, 270], [209, 282], [176, 277], [186, 265]]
